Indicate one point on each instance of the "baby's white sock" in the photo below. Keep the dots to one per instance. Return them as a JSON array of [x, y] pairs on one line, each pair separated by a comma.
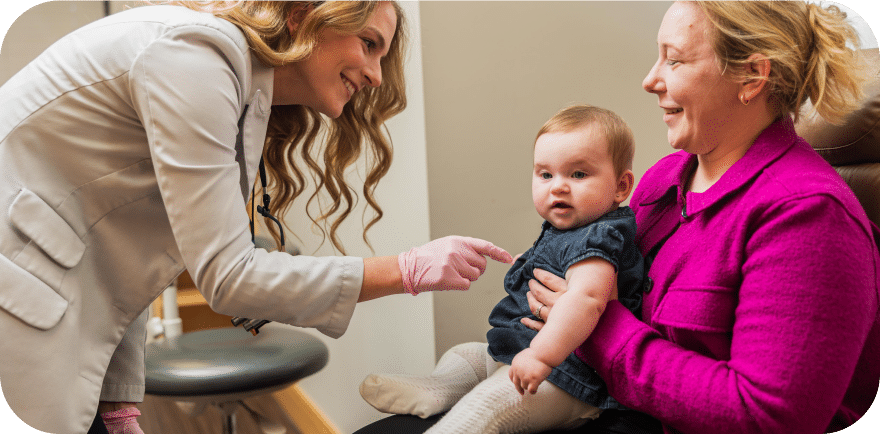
[[495, 407], [457, 372]]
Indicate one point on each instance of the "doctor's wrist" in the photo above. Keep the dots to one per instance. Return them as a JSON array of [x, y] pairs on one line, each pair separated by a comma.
[[107, 406]]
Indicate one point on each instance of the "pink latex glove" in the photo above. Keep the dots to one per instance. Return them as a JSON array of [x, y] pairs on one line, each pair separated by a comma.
[[447, 263]]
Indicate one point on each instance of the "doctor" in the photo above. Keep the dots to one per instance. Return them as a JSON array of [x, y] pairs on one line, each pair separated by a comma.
[[128, 152]]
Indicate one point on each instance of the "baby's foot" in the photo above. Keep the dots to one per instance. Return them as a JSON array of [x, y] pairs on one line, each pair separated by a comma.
[[457, 372]]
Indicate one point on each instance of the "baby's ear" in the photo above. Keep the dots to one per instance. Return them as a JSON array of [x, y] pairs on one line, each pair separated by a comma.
[[624, 186]]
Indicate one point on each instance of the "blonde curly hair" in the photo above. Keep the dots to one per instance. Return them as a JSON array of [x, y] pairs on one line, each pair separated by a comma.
[[293, 130]]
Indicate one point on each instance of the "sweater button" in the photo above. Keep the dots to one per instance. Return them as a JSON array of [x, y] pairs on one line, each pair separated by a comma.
[[649, 285]]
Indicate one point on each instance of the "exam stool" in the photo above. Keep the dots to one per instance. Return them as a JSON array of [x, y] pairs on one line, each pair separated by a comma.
[[221, 367]]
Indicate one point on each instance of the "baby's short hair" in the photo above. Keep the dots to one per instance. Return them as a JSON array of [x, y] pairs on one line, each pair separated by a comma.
[[621, 144]]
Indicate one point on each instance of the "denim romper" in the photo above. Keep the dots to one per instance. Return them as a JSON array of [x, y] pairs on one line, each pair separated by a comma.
[[611, 237]]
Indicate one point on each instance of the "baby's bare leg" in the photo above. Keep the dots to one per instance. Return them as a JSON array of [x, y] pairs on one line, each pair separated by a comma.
[[495, 407]]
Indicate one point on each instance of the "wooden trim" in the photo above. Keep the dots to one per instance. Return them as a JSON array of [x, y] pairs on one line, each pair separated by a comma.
[[303, 412]]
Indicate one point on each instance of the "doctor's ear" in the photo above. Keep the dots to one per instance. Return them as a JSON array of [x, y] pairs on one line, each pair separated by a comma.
[[298, 13]]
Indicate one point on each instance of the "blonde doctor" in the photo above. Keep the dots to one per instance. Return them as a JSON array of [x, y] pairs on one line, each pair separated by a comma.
[[128, 151]]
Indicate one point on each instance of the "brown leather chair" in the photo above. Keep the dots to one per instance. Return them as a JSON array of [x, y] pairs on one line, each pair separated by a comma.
[[854, 147]]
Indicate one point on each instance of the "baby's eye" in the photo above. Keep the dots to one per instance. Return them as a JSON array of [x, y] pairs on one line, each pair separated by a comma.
[[671, 62], [546, 175], [579, 175]]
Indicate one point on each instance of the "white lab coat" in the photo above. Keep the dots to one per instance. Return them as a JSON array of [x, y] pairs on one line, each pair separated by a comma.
[[118, 171]]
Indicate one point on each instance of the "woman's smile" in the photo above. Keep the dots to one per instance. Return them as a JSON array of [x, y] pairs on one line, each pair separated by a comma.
[[670, 113], [351, 87]]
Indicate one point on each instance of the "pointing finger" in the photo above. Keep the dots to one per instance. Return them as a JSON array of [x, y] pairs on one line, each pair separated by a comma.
[[486, 248]]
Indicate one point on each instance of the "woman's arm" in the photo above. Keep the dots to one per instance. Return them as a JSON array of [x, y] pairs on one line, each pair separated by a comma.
[[189, 88], [591, 283], [800, 327], [381, 277]]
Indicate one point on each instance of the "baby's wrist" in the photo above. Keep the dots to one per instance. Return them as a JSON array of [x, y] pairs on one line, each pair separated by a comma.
[[539, 357]]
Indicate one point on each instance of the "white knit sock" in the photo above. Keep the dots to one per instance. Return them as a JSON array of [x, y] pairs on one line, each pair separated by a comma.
[[495, 407], [457, 372]]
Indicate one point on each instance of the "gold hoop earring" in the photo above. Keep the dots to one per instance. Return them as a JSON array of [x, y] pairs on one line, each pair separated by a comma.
[[742, 99]]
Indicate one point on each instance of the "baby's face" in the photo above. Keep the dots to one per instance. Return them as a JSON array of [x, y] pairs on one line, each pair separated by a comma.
[[574, 181]]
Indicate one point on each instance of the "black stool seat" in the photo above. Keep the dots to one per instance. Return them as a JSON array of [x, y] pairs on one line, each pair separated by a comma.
[[231, 361]]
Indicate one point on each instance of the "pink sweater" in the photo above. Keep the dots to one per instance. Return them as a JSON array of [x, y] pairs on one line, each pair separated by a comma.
[[763, 316]]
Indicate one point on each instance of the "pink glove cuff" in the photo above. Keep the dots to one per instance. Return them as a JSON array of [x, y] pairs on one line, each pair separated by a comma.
[[406, 274], [122, 421]]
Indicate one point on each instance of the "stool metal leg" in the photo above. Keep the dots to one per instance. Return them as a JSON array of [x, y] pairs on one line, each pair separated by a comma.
[[229, 423], [266, 425]]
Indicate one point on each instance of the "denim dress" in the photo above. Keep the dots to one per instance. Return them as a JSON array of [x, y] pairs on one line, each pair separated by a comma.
[[611, 237]]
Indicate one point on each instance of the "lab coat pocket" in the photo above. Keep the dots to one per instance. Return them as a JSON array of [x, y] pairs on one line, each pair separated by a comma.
[[28, 298], [39, 222], [708, 309], [30, 281]]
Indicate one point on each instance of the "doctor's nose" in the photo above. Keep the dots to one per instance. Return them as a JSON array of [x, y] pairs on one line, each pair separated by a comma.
[[373, 73]]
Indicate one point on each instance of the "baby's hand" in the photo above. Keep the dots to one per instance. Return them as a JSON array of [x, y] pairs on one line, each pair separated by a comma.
[[527, 371]]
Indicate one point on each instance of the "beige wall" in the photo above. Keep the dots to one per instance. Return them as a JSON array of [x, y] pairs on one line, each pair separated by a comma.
[[40, 26], [494, 72]]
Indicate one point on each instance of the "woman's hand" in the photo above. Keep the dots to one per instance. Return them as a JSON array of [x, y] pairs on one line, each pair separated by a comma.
[[527, 371], [449, 263], [544, 290]]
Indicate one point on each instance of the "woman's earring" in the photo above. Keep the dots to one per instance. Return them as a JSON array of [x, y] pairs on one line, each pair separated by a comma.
[[742, 99]]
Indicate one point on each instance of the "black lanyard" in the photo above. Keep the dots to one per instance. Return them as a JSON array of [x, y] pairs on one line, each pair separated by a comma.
[[263, 210], [253, 325]]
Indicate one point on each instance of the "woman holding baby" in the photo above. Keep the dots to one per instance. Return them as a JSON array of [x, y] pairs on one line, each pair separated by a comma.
[[761, 314]]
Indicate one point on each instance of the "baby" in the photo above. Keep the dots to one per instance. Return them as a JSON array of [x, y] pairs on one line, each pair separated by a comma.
[[582, 173]]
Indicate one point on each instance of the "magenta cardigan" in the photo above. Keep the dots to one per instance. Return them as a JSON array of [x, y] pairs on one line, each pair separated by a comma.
[[763, 314]]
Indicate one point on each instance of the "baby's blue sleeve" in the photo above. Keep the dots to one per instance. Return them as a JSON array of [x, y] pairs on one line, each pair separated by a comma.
[[599, 239]]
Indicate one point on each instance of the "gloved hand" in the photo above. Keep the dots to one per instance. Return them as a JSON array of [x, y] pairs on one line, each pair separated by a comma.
[[447, 263]]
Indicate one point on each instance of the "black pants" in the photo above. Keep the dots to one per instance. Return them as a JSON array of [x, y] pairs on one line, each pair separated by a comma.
[[609, 422], [98, 426]]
